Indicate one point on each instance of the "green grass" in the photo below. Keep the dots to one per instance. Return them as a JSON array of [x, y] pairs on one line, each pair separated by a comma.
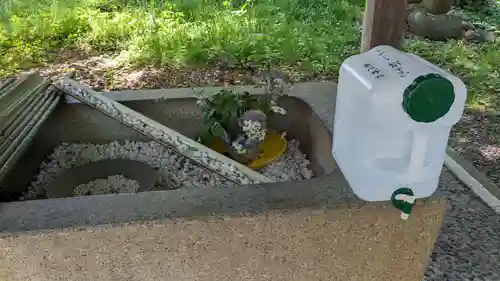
[[282, 32], [311, 36]]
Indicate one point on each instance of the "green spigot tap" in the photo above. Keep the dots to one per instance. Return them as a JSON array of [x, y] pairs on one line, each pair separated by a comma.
[[403, 199]]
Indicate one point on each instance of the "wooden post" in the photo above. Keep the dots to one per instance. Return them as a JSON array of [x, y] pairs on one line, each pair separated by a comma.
[[383, 23]]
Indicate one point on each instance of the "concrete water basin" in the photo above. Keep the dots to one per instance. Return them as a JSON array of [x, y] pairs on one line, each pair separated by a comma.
[[79, 123], [314, 229]]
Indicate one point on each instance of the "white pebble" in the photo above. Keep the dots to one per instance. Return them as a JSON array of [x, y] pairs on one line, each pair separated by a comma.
[[175, 171], [113, 184]]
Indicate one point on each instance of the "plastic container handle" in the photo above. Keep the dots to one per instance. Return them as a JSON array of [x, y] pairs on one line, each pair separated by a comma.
[[417, 158]]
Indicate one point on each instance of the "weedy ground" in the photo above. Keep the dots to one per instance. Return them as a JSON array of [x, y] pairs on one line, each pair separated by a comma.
[[310, 37]]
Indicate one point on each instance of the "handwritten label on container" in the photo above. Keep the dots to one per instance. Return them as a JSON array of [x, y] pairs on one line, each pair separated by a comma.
[[375, 71], [395, 65]]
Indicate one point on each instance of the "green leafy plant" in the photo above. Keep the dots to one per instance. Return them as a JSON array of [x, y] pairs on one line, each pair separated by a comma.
[[239, 120]]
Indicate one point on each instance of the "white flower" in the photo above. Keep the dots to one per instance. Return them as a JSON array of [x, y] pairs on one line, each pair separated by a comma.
[[251, 126], [261, 135], [238, 147], [279, 110], [257, 135], [247, 124], [254, 130]]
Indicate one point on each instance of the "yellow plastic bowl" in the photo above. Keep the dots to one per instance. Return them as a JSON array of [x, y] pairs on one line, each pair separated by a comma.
[[270, 150]]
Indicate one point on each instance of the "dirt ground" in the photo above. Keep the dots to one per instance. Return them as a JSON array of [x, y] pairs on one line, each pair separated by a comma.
[[477, 138], [106, 73]]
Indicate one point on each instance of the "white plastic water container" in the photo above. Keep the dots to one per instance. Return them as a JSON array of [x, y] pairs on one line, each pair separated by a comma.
[[393, 117]]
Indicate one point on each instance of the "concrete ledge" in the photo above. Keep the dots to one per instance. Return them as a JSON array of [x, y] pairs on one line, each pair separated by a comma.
[[474, 179], [121, 208], [356, 242]]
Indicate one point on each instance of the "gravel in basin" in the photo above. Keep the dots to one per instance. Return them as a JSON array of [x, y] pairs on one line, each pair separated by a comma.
[[175, 171], [113, 184]]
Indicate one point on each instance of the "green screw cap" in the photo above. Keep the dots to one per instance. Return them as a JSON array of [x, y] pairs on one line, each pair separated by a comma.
[[428, 98]]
